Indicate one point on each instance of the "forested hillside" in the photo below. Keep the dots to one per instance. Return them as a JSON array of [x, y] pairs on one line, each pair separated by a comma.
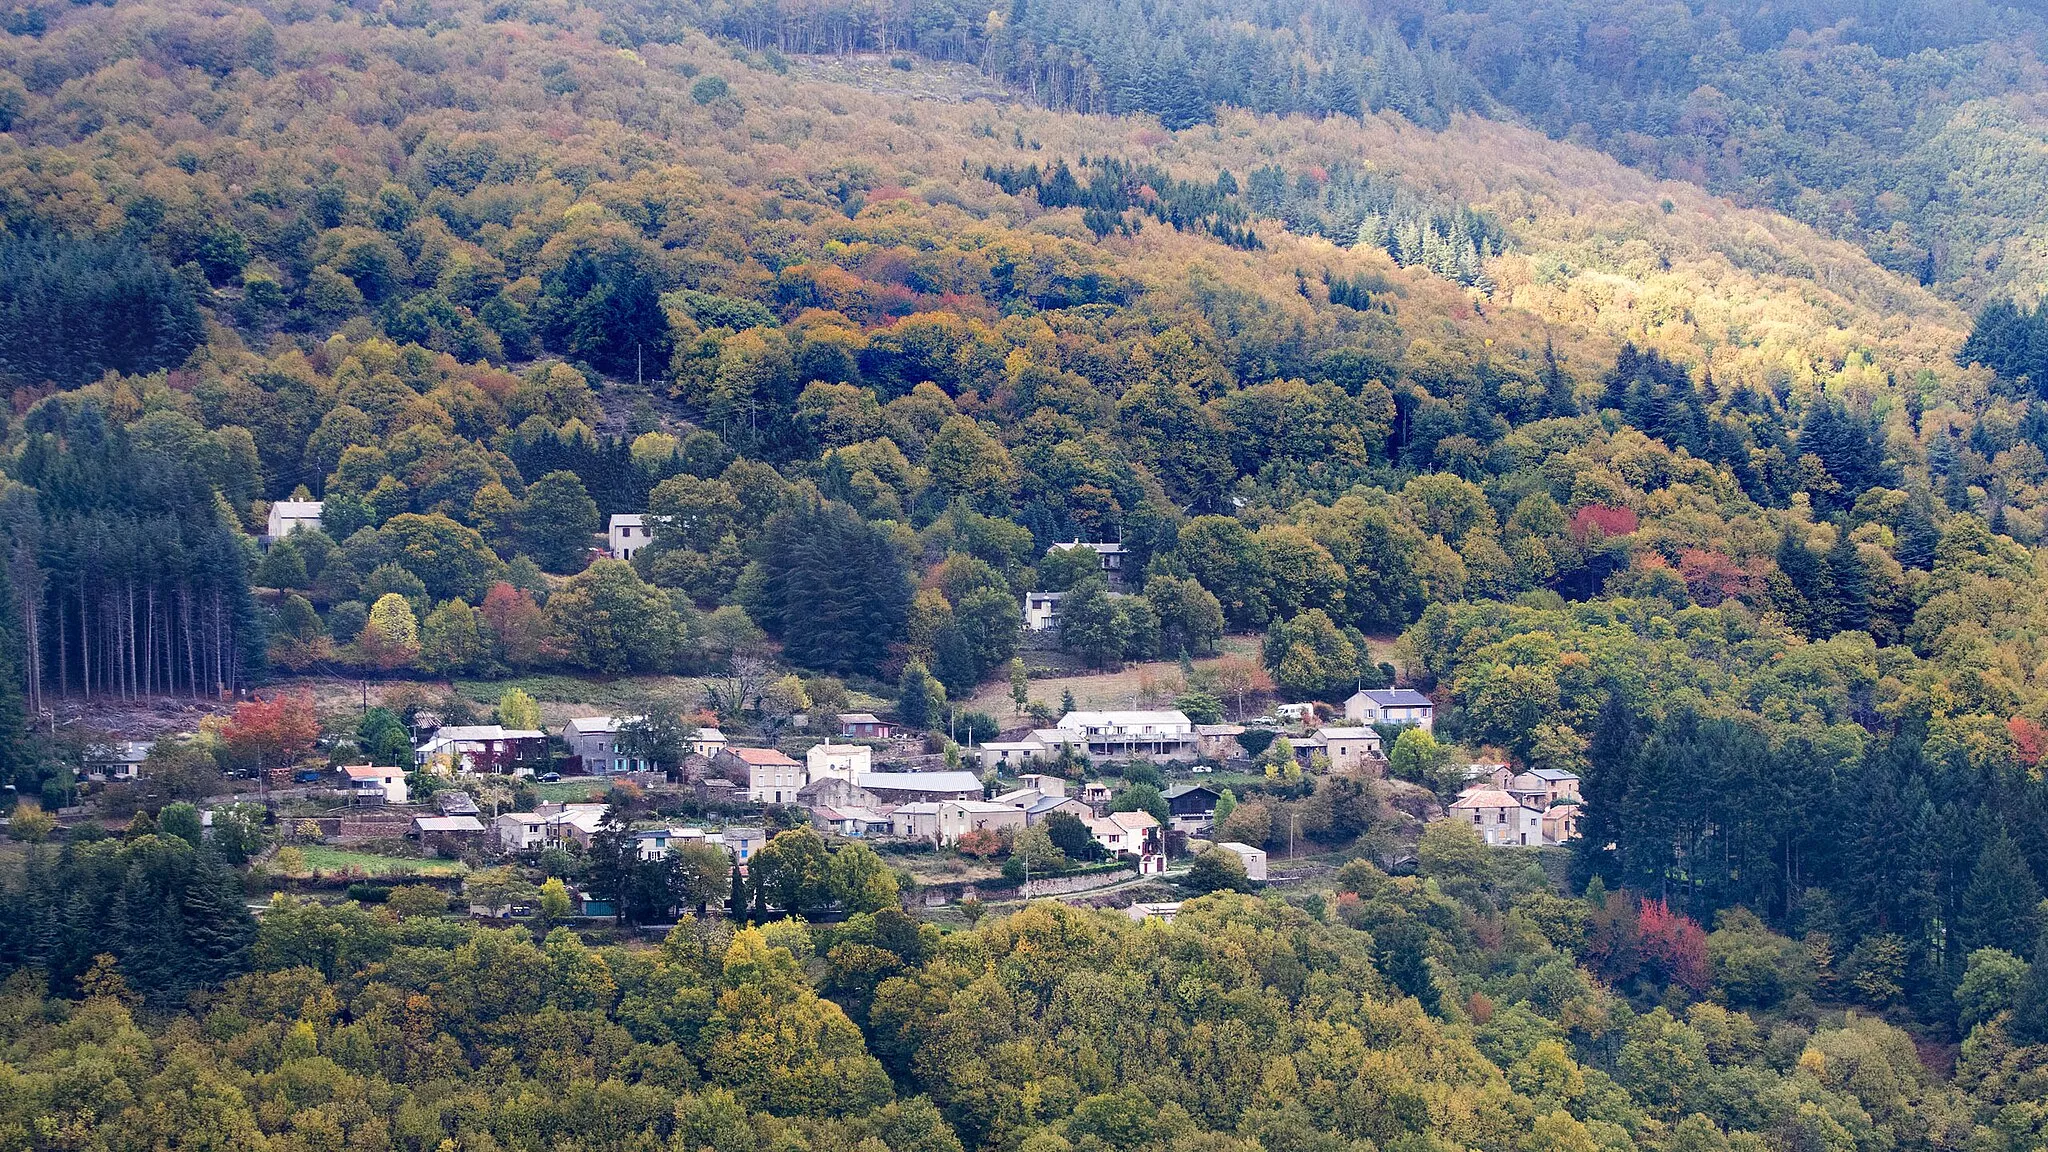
[[1606, 372], [1913, 129]]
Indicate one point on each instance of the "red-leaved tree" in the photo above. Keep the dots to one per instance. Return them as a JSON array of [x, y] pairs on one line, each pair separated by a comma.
[[273, 734], [1673, 944], [2028, 740], [1609, 522]]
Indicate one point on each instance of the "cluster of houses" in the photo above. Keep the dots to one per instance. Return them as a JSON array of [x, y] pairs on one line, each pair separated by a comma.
[[1519, 809], [1169, 737]]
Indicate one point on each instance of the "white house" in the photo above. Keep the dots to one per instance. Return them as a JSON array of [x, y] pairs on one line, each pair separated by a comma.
[[654, 843], [1499, 818], [1391, 706], [708, 742], [121, 760], [1110, 556], [628, 533], [1254, 859], [484, 748], [521, 831], [288, 516], [1167, 735], [1124, 833], [837, 761], [1041, 610], [369, 783]]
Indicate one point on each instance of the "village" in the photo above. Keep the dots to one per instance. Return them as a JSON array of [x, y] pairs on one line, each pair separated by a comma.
[[1124, 794]]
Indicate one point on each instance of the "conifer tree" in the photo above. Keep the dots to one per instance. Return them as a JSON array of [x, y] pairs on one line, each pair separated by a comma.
[[2000, 907]]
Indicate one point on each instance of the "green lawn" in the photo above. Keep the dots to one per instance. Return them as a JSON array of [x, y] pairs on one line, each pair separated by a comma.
[[573, 791], [325, 861]]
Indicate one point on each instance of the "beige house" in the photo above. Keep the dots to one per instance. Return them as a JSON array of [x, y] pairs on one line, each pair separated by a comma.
[[1544, 787], [578, 822], [772, 778], [1254, 859], [1042, 784], [919, 821], [956, 818], [374, 784], [1499, 818], [1350, 748], [1561, 824], [708, 742], [1218, 742]]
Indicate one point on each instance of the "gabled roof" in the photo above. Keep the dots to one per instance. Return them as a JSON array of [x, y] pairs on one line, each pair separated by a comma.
[[1051, 803], [455, 804], [1179, 790], [709, 735], [1555, 774], [1129, 821], [1348, 733], [1487, 798], [860, 718], [629, 520], [583, 821], [297, 509], [762, 757], [369, 772], [920, 808], [447, 823], [591, 725], [1396, 698]]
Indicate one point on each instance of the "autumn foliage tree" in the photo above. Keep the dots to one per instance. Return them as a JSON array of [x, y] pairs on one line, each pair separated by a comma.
[[273, 734]]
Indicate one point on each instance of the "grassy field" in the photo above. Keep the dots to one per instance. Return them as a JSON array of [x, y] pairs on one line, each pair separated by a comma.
[[326, 861], [1149, 684], [573, 791]]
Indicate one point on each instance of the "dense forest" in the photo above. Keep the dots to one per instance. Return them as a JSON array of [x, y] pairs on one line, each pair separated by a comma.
[[1337, 317], [1900, 126]]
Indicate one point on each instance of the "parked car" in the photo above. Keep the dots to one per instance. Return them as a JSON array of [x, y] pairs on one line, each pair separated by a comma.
[[549, 777]]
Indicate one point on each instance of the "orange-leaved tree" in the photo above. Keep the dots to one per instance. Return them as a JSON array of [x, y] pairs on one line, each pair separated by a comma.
[[273, 734]]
